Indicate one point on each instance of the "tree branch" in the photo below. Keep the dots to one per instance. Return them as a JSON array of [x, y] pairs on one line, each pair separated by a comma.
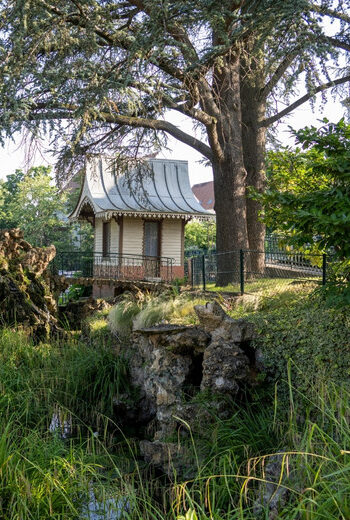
[[66, 112], [277, 75], [184, 108], [175, 30], [330, 12], [119, 39], [267, 122], [338, 43]]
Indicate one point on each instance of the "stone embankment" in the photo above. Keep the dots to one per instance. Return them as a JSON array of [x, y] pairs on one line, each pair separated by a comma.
[[172, 364]]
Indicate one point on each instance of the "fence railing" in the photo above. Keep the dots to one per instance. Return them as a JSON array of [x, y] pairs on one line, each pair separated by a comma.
[[243, 267], [112, 266]]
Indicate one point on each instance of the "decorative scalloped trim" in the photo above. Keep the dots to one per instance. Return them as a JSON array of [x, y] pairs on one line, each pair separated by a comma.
[[107, 215]]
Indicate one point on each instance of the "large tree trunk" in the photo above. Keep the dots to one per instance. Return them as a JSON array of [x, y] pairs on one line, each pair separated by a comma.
[[254, 141], [229, 171], [231, 219]]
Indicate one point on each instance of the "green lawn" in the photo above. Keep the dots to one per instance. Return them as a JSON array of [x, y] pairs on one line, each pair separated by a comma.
[[264, 285]]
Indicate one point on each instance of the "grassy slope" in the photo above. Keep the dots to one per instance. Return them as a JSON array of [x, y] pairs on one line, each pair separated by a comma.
[[296, 328]]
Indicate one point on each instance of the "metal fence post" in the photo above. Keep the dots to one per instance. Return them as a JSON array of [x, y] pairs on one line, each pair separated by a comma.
[[241, 269], [192, 272], [203, 272], [324, 269]]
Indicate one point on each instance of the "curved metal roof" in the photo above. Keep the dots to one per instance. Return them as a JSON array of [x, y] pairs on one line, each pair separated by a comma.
[[165, 192]]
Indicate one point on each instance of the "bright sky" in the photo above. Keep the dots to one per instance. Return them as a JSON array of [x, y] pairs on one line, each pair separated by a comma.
[[14, 154]]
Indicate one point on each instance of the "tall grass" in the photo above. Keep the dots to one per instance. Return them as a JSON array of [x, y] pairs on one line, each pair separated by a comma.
[[44, 476], [136, 311], [307, 447], [41, 475]]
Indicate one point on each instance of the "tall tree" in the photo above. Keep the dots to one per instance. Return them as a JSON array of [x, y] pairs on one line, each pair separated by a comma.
[[103, 74], [314, 49]]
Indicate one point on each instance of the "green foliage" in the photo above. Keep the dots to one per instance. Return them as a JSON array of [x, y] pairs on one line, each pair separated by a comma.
[[95, 328], [290, 170], [303, 429], [8, 190], [307, 449], [82, 233], [200, 235], [104, 76], [32, 202], [43, 476], [306, 330], [190, 515], [74, 292], [71, 374], [309, 198], [129, 74]]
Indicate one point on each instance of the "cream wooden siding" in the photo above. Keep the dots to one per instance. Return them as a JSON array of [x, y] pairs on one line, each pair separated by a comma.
[[171, 237], [114, 248], [172, 240], [132, 236]]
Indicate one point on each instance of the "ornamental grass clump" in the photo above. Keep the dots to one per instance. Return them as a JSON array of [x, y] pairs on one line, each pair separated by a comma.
[[136, 311]]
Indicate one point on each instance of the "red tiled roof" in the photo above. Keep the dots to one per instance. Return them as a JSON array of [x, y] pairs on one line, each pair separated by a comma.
[[205, 194]]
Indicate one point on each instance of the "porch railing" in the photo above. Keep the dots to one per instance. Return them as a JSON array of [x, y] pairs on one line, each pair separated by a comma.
[[113, 266]]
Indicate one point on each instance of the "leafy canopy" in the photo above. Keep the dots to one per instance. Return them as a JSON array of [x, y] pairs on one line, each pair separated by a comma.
[[99, 75], [200, 235], [308, 195], [32, 202]]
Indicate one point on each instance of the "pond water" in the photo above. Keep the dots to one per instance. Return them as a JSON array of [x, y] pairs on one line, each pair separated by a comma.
[[108, 509]]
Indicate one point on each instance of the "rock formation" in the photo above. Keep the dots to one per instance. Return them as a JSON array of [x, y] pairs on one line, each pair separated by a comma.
[[25, 297], [171, 364]]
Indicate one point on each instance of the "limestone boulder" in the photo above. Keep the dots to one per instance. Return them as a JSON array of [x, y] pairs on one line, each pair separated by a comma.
[[215, 321], [210, 315], [37, 259], [274, 488], [160, 375], [224, 366], [177, 338], [169, 457], [170, 364]]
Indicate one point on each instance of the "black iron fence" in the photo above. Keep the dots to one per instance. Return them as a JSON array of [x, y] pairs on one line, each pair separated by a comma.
[[238, 269], [112, 266]]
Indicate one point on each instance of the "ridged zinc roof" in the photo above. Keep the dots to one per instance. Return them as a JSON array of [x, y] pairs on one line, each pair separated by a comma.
[[164, 192]]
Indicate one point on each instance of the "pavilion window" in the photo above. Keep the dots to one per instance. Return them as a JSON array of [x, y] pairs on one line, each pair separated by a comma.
[[106, 239], [151, 238]]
